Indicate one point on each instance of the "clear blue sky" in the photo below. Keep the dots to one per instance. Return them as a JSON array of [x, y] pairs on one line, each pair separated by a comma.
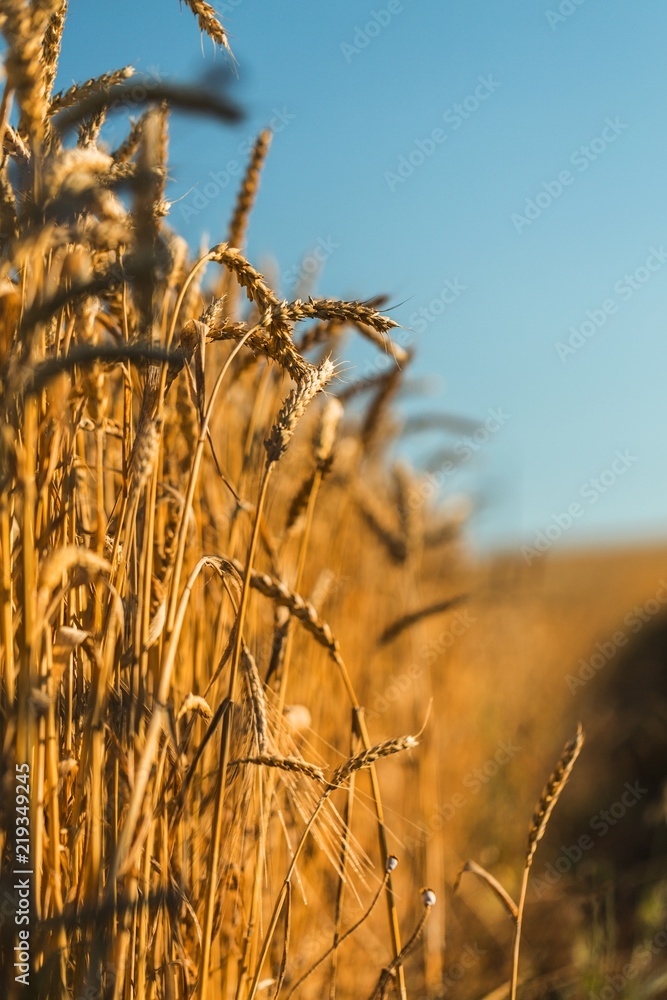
[[518, 95]]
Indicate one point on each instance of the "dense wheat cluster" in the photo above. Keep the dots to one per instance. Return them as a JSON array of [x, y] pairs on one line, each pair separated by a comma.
[[177, 476], [211, 561]]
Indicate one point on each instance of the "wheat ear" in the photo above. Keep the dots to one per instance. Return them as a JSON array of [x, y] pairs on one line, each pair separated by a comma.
[[248, 190], [368, 757], [293, 409], [545, 806], [209, 23]]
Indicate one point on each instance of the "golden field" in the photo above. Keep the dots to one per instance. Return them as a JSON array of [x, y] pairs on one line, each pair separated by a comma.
[[258, 704]]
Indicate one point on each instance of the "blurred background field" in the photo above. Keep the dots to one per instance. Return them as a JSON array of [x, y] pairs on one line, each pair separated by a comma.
[[472, 792]]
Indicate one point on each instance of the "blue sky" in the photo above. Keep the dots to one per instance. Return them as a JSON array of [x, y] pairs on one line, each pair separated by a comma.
[[513, 152]]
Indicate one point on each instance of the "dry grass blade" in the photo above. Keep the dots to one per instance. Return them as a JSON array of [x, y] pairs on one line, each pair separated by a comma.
[[440, 421], [375, 421], [362, 385], [493, 884], [286, 942], [407, 621]]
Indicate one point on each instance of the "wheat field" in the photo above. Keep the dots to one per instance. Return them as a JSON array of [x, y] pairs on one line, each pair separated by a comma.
[[267, 728]]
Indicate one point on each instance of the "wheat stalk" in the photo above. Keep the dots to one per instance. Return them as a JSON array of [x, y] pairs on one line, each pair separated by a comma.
[[545, 806]]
